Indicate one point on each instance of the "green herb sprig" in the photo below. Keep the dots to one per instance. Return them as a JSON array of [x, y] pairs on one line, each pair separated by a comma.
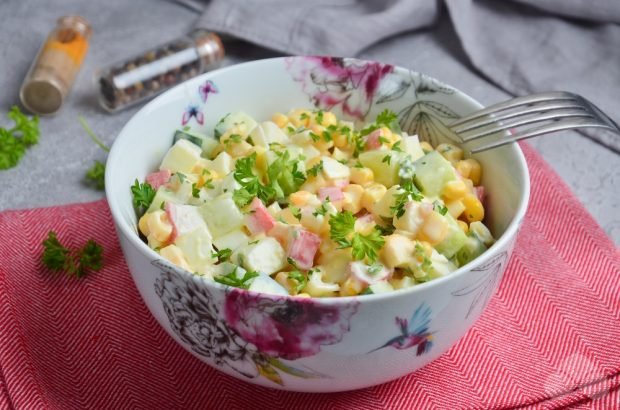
[[14, 141], [342, 231], [75, 262]]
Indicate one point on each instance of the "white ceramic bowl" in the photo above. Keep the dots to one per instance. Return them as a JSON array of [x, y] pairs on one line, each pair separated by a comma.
[[318, 345]]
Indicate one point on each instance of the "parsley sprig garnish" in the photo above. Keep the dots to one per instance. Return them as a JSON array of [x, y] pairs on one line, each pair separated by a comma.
[[143, 194], [75, 262], [283, 176], [233, 280], [14, 141], [342, 231]]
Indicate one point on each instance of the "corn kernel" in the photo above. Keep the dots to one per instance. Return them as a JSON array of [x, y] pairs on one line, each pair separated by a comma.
[[240, 149], [464, 168], [353, 198], [455, 208], [476, 171], [340, 140], [300, 198], [397, 251], [450, 152], [282, 279], [287, 216], [174, 254], [455, 189], [339, 155], [159, 225], [435, 229], [329, 119], [372, 194], [361, 176], [463, 226], [280, 119], [351, 287], [474, 211], [299, 118], [426, 147], [143, 224]]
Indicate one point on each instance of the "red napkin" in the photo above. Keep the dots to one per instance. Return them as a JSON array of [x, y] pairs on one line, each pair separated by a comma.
[[550, 337]]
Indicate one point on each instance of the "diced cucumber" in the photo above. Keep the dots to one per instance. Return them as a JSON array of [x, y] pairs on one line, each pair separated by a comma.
[[240, 119], [432, 172], [385, 171], [470, 250], [411, 146], [190, 136], [454, 241]]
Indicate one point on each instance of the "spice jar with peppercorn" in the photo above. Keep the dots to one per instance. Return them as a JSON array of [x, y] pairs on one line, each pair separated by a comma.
[[154, 71]]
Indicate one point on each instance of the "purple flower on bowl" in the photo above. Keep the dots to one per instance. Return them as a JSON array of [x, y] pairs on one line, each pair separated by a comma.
[[283, 327], [330, 82]]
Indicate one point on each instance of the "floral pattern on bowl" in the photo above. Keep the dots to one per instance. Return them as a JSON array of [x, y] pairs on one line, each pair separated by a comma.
[[256, 330], [355, 86]]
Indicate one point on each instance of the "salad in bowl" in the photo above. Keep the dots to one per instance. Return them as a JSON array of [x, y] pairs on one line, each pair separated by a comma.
[[310, 223], [306, 204]]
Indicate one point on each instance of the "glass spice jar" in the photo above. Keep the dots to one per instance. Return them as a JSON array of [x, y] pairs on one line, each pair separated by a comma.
[[150, 73], [53, 71]]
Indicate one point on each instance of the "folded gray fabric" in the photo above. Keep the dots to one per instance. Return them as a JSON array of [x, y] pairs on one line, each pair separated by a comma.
[[522, 46]]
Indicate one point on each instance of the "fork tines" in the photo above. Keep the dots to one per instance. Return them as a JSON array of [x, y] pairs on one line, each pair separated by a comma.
[[529, 116]]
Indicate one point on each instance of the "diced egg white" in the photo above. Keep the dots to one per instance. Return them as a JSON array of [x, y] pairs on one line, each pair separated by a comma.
[[181, 157]]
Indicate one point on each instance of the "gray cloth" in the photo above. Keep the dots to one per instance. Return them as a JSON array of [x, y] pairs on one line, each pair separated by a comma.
[[521, 46]]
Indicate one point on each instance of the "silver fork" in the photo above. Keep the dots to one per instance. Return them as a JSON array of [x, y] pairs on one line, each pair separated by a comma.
[[527, 117]]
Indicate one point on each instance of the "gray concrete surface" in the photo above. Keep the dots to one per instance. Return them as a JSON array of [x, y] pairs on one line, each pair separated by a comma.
[[52, 172]]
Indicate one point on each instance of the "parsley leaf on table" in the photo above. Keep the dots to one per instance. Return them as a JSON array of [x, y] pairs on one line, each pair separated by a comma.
[[96, 175], [74, 262], [14, 141]]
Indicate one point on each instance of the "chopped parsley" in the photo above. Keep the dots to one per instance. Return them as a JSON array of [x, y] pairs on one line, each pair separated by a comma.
[[409, 192], [314, 171], [300, 280], [296, 212], [232, 280], [387, 159], [438, 207], [321, 210], [222, 255], [195, 191]]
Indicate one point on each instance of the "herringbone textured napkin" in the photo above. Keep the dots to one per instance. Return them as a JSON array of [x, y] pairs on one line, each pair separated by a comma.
[[549, 338]]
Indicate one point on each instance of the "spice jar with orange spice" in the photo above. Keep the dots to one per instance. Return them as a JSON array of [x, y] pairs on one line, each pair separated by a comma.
[[53, 72]]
